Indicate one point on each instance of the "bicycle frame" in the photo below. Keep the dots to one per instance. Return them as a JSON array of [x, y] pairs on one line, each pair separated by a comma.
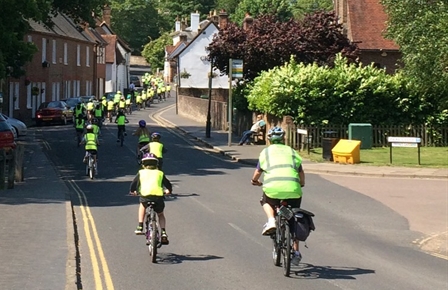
[[283, 238], [152, 231], [91, 166]]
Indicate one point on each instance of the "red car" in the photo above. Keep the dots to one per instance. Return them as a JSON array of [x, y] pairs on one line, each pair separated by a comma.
[[55, 111], [6, 135]]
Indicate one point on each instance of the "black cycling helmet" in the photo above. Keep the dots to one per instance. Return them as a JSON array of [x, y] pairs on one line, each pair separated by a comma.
[[142, 123]]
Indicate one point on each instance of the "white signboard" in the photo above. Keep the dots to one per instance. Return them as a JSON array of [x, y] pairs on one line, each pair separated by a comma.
[[302, 131], [413, 145], [404, 139]]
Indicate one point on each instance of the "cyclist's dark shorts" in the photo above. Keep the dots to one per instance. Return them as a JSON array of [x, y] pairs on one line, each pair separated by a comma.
[[160, 203], [79, 130], [93, 152], [293, 202], [141, 144]]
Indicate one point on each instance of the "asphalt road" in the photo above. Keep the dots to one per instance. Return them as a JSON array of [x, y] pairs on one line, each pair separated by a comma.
[[214, 225]]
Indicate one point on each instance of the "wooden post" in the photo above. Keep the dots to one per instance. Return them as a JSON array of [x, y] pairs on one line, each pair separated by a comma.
[[11, 168], [2, 168], [19, 155]]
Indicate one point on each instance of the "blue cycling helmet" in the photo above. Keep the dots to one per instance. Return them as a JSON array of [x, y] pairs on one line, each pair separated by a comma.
[[276, 134], [142, 123]]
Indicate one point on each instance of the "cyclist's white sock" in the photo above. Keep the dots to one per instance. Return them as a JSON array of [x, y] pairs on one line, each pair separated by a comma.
[[271, 220]]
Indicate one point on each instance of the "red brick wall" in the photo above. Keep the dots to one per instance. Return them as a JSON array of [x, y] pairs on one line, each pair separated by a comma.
[[390, 60], [58, 72]]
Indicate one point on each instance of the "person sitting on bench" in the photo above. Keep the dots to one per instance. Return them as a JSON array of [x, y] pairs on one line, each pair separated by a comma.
[[255, 129]]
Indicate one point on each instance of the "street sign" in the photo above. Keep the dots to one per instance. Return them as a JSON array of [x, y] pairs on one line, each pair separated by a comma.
[[237, 68], [409, 142]]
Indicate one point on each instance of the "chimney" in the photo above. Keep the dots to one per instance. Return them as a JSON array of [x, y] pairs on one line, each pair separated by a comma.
[[177, 24], [183, 24], [194, 22], [183, 38], [247, 21], [223, 19], [106, 14], [215, 18]]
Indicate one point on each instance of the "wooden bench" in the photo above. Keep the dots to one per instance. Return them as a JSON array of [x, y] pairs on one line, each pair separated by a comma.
[[258, 138]]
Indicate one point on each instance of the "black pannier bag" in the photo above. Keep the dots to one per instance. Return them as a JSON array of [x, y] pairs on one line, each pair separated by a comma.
[[303, 223]]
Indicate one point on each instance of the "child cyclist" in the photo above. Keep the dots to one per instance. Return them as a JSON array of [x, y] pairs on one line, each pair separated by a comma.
[[91, 144], [121, 120], [156, 147], [143, 135], [149, 183]]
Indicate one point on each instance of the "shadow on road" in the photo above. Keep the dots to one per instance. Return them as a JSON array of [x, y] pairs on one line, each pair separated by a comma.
[[171, 258], [309, 271]]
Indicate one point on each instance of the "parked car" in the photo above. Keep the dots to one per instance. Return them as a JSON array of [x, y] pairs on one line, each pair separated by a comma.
[[72, 102], [55, 111], [136, 80], [19, 128], [110, 95], [6, 135]]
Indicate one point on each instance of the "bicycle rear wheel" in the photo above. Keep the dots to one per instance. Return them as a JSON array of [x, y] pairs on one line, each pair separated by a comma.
[[286, 249], [91, 168], [153, 244], [276, 244]]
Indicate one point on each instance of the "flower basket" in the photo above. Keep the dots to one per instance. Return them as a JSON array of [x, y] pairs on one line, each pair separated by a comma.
[[35, 91], [185, 74]]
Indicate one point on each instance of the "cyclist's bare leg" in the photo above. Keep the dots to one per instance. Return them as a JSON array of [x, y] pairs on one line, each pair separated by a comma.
[[162, 220], [295, 245], [141, 213], [268, 210]]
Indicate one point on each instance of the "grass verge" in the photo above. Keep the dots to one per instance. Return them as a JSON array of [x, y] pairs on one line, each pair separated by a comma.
[[408, 157]]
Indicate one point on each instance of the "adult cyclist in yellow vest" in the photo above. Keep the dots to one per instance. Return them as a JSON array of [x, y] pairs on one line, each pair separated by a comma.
[[117, 97], [144, 98], [156, 148], [149, 183], [283, 180], [96, 127], [122, 104], [110, 109], [91, 143], [143, 135], [138, 100]]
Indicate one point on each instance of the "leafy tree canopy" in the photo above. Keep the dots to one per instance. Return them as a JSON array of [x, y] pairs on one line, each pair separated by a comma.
[[154, 51], [420, 28], [183, 9], [136, 21], [269, 43], [283, 9]]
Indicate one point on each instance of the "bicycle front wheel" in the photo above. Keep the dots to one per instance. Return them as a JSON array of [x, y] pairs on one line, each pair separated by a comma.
[[286, 249]]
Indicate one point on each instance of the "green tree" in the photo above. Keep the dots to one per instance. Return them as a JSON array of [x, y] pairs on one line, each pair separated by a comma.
[[136, 21], [282, 9], [420, 28], [170, 9], [228, 5], [154, 51]]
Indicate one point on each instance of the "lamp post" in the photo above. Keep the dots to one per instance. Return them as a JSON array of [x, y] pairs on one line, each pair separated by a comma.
[[208, 124]]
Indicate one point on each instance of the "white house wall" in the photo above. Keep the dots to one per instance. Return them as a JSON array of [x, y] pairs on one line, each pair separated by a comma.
[[190, 61]]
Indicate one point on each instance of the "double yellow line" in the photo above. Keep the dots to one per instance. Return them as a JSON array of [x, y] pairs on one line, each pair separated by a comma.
[[90, 230]]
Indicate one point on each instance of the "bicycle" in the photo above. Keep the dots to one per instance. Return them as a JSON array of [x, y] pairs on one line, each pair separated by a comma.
[[121, 136], [91, 166], [152, 231], [283, 238]]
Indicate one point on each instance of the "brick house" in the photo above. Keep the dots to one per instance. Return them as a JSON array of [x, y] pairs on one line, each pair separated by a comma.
[[65, 66], [118, 54], [364, 23]]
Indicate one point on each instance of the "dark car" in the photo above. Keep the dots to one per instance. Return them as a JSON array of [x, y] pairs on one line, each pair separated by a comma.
[[72, 102], [136, 80], [6, 135], [110, 95], [55, 111]]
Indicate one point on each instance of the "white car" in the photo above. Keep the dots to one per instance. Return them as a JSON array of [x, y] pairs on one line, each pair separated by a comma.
[[19, 128]]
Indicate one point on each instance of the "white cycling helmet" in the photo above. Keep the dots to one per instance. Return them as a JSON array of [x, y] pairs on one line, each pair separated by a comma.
[[276, 134]]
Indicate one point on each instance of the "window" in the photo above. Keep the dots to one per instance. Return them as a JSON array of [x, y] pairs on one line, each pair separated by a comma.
[[30, 38], [44, 49], [100, 58], [43, 91], [14, 94], [88, 88], [53, 91], [78, 55], [58, 91], [53, 54], [87, 56], [65, 53], [28, 96]]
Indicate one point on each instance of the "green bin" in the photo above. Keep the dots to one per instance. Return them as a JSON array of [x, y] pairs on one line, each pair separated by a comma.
[[362, 132]]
